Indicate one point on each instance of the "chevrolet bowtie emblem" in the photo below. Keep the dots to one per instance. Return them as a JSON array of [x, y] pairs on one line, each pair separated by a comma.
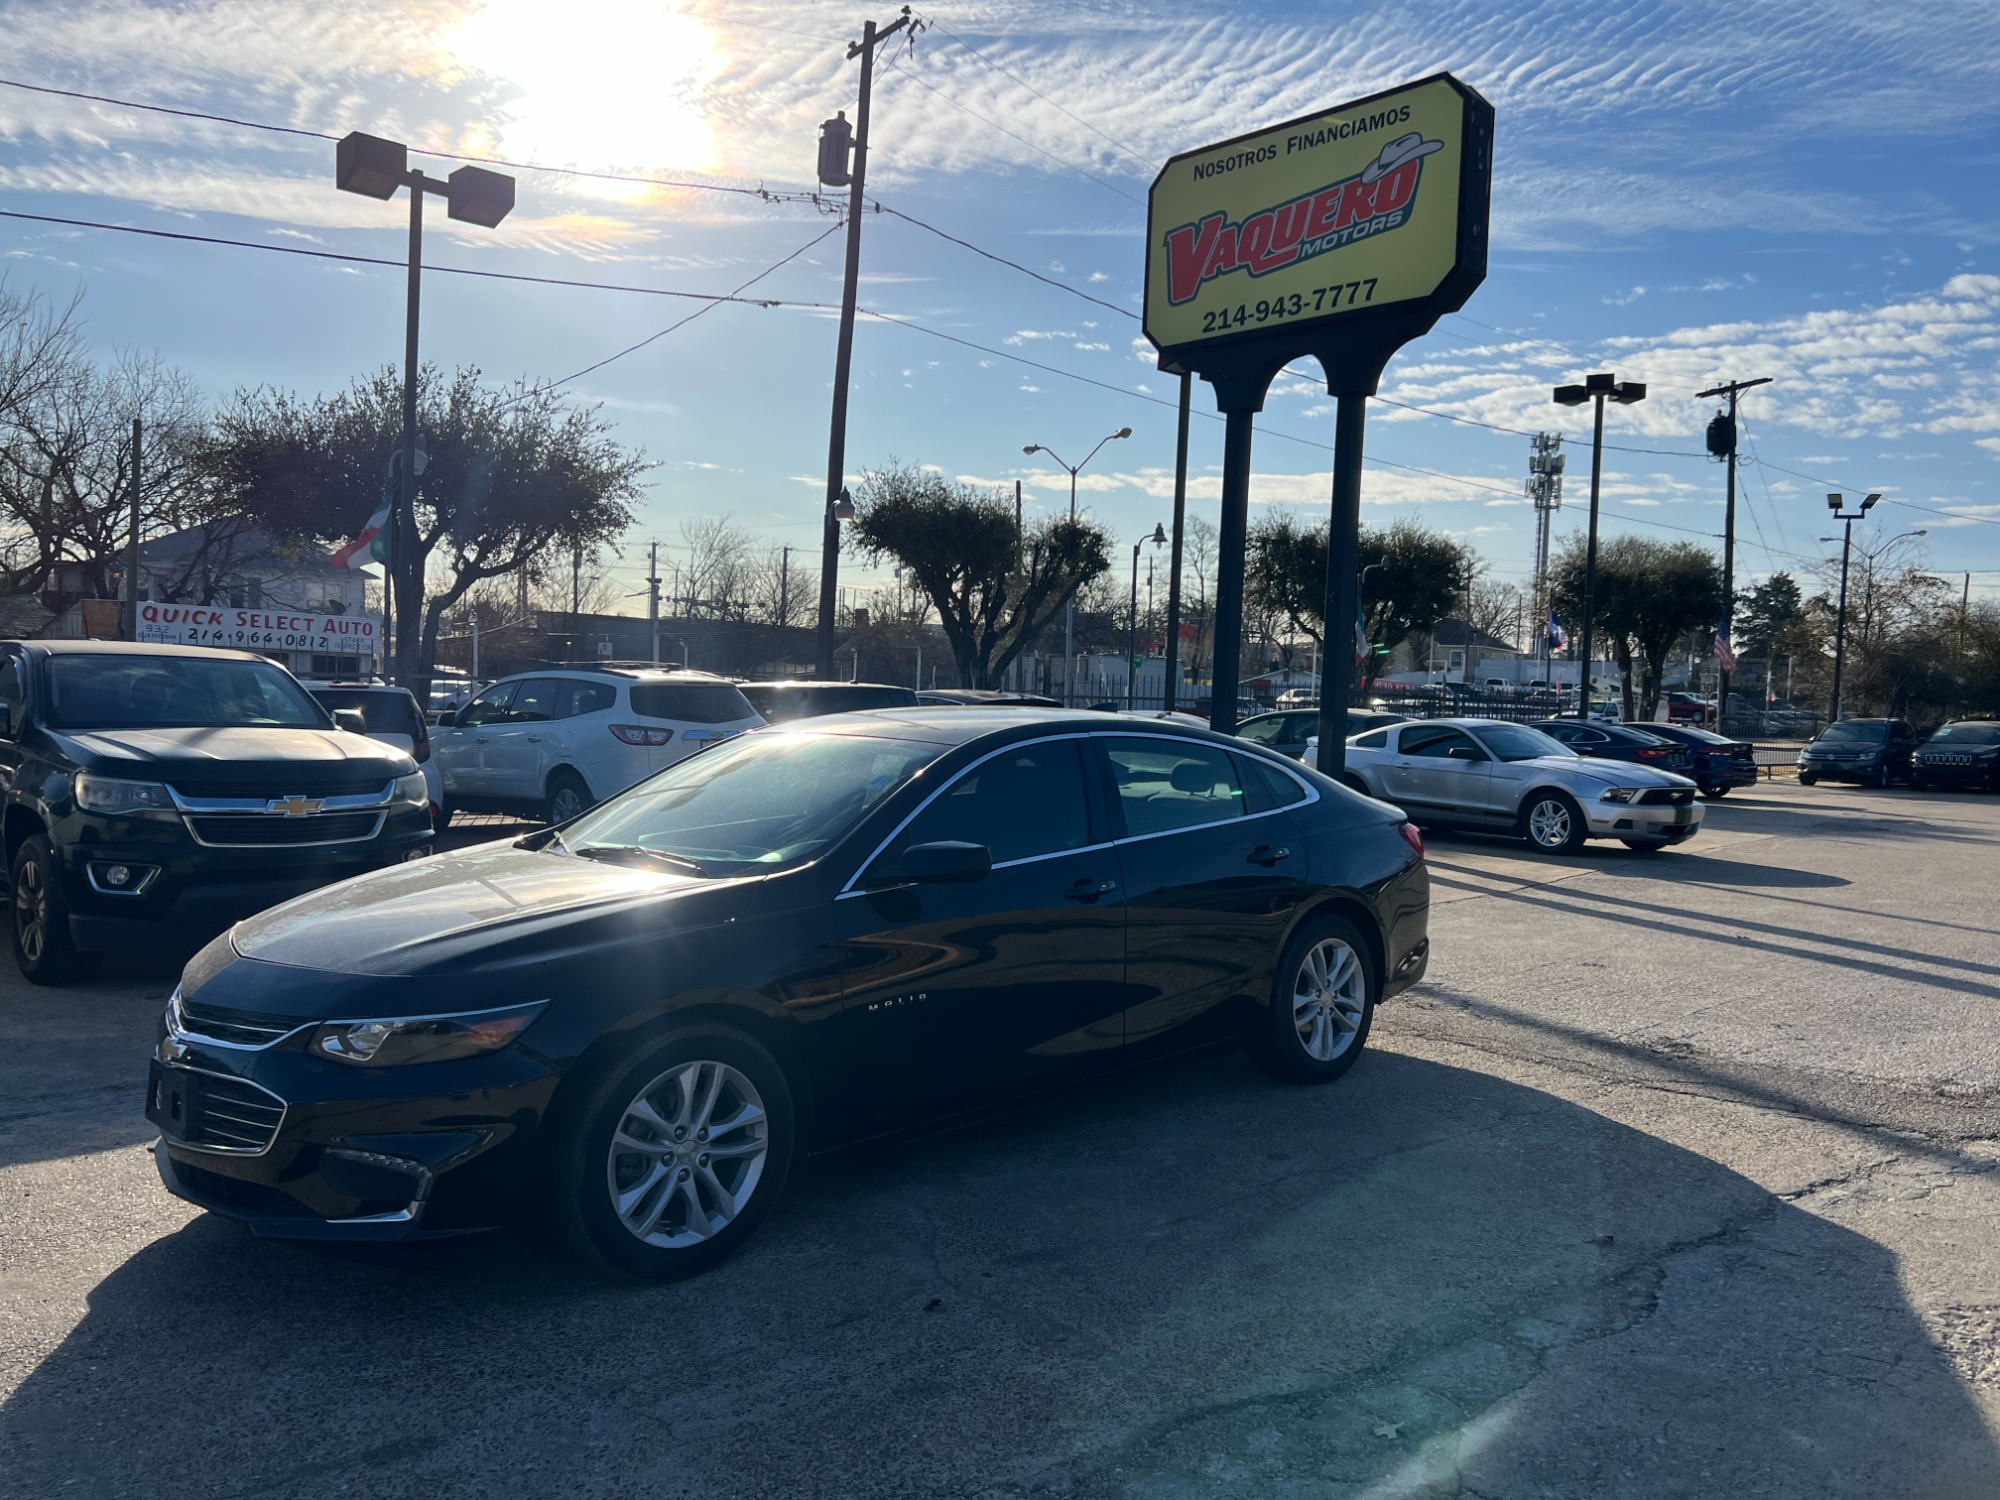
[[293, 807]]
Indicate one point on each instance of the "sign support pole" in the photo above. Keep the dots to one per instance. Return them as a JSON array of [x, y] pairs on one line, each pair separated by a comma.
[[1173, 662], [1343, 581], [1237, 431]]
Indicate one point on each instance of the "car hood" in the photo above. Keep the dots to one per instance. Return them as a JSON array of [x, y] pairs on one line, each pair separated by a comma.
[[491, 906], [1610, 772], [273, 758]]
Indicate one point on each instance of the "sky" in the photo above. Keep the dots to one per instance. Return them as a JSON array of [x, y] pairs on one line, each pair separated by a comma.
[[1683, 193]]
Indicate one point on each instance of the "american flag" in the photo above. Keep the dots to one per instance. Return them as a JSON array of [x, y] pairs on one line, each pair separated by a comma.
[[1558, 637], [1723, 653]]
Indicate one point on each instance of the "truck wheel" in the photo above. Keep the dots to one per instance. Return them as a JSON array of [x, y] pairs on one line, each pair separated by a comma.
[[42, 946]]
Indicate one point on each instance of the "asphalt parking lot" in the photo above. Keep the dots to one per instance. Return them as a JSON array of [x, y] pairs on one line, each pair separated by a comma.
[[1677, 1177]]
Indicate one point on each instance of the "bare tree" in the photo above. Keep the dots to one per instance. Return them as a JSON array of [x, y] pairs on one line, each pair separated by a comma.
[[780, 591], [1499, 609]]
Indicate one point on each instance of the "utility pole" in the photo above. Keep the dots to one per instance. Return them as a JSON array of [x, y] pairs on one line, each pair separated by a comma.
[[1172, 664], [785, 585], [1722, 443], [653, 600], [132, 547], [1545, 488], [474, 612], [835, 171]]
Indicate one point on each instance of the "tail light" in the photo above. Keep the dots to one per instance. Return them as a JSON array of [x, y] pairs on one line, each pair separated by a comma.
[[1413, 838], [420, 742], [642, 734], [1655, 754]]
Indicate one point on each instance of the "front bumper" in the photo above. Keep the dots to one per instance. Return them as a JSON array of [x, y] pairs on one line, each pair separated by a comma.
[[1841, 770], [325, 1151], [1671, 824], [1722, 771], [193, 891]]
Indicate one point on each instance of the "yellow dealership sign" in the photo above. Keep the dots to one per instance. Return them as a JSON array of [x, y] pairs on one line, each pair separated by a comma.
[[1372, 206]]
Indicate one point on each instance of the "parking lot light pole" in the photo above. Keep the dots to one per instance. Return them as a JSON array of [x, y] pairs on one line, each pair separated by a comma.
[[1834, 503], [1069, 610], [1594, 389], [375, 168], [1158, 537]]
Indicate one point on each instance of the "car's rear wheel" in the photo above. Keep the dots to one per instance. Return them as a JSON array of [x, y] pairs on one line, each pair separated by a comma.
[[675, 1158], [1322, 1005], [1715, 793], [568, 797], [40, 928], [1553, 823], [1355, 783]]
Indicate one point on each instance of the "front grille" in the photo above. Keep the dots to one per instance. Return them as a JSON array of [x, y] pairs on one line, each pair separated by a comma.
[[231, 1114], [1947, 760], [1667, 796], [266, 830], [241, 1028]]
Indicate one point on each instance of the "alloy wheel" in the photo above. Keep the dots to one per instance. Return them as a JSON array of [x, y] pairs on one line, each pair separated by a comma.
[[1329, 999], [31, 909], [687, 1154], [1549, 824], [566, 803]]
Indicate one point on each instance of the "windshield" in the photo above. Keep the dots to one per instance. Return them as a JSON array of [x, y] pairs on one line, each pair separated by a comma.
[[757, 803], [1518, 742], [1851, 732], [176, 692], [1969, 734]]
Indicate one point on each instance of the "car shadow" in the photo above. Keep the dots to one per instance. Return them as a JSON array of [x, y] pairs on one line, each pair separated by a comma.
[[1187, 1281]]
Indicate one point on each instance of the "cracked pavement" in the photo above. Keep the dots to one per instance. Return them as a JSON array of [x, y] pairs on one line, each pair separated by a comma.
[[1677, 1177]]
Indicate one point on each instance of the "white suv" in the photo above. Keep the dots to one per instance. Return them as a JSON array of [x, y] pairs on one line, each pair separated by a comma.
[[549, 744]]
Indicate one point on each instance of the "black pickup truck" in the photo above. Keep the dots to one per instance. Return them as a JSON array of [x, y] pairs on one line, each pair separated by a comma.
[[156, 794]]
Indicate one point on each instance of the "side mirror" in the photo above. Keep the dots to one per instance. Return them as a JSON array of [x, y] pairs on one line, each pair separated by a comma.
[[1465, 752], [945, 862], [447, 719], [353, 720]]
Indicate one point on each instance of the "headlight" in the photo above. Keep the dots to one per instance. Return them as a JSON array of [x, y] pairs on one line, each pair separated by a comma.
[[101, 794], [421, 1039], [1618, 794], [413, 788]]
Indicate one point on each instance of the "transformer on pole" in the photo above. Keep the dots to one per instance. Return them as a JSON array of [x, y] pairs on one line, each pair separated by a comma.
[[1544, 488]]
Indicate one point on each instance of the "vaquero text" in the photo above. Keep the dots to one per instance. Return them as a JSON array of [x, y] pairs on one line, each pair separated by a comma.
[[1273, 238]]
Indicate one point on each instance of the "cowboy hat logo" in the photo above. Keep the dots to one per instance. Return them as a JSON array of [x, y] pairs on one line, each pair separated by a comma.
[[1377, 199]]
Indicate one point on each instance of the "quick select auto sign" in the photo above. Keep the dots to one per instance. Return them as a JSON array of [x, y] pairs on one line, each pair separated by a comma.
[[258, 629], [1356, 208]]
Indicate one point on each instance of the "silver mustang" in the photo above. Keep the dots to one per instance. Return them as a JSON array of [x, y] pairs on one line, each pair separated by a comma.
[[1483, 773]]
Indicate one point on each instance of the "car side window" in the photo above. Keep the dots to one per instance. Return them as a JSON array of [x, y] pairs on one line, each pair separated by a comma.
[[585, 698], [536, 701], [1263, 731], [1167, 784], [1450, 744], [1266, 788], [1417, 737], [490, 707], [1301, 727], [1022, 802], [13, 697], [1375, 739]]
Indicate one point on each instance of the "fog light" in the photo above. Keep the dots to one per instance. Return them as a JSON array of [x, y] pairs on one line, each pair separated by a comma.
[[121, 879], [118, 875]]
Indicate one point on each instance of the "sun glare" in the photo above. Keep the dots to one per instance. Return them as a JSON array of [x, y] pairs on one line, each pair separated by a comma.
[[602, 83]]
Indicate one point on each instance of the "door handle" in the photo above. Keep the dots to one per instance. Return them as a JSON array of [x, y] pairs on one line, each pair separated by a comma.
[[533, 739], [1267, 856], [1089, 890], [479, 739]]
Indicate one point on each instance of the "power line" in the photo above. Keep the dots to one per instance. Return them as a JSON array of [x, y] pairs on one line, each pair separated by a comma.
[[1062, 286], [377, 260]]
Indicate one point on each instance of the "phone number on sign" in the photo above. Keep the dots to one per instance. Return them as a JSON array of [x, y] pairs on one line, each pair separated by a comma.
[[276, 640], [1320, 300]]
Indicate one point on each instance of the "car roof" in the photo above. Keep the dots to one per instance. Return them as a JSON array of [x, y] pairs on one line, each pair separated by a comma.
[[940, 725], [629, 674], [134, 648], [807, 682]]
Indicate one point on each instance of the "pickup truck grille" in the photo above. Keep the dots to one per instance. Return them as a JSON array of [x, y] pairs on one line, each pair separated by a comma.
[[266, 831]]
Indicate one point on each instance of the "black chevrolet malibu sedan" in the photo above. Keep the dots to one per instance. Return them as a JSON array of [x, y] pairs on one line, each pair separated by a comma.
[[631, 1026]]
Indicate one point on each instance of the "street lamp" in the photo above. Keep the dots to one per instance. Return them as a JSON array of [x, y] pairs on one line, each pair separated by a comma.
[[1833, 503], [1594, 389], [1069, 610], [1159, 539], [375, 168]]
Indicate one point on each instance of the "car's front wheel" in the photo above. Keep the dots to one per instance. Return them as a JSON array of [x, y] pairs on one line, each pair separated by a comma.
[[1807, 778], [1322, 1005], [1715, 793], [40, 929], [674, 1159], [1553, 823]]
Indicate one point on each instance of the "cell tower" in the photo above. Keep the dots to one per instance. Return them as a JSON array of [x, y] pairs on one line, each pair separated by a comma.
[[1545, 489]]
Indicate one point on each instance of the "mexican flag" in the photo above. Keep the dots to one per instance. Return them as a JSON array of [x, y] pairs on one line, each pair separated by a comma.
[[374, 540]]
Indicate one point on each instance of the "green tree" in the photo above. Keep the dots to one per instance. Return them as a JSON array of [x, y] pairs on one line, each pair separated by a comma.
[[512, 482], [995, 588], [1412, 577], [1649, 595]]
